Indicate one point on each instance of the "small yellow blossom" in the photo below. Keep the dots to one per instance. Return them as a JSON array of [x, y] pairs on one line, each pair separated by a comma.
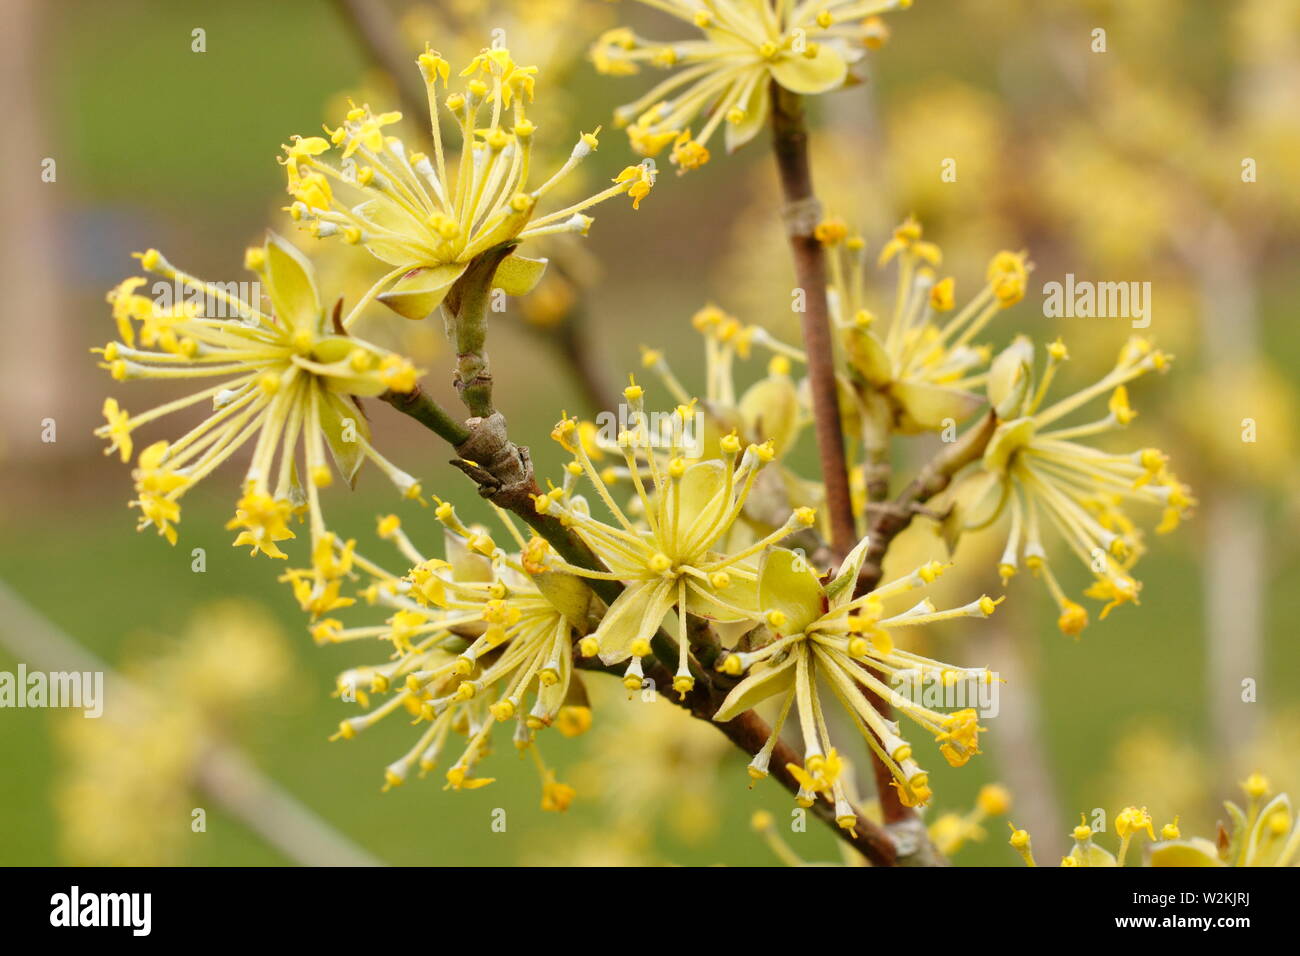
[[285, 378], [429, 217], [807, 48]]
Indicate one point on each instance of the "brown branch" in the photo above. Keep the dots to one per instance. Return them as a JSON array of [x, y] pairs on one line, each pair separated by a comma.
[[802, 214]]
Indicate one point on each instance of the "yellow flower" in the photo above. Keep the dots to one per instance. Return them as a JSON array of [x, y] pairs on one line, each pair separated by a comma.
[[820, 637], [472, 637], [725, 74], [318, 588], [118, 429], [951, 831], [1048, 478], [430, 216], [676, 558], [923, 364], [264, 521], [1263, 833], [286, 377]]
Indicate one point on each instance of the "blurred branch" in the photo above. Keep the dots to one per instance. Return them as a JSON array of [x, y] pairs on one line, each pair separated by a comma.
[[35, 386], [572, 344], [223, 772], [373, 26]]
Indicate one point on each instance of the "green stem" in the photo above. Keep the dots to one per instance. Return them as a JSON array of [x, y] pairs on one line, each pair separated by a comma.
[[467, 304], [418, 405]]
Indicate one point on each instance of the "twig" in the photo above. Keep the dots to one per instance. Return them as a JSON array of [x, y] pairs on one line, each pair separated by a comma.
[[425, 410], [893, 519], [802, 214], [372, 23], [467, 304]]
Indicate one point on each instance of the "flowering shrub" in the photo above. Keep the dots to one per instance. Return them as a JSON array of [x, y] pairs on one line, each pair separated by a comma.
[[681, 552]]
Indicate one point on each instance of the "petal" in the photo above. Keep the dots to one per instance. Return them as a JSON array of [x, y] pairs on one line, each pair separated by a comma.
[[1009, 378], [786, 583], [736, 135], [637, 614], [519, 275], [868, 357], [416, 294], [1009, 438], [567, 593], [770, 409], [840, 590], [811, 74], [756, 688], [388, 219], [292, 284], [1196, 851], [466, 565], [977, 501], [699, 498], [742, 593], [928, 407], [344, 427]]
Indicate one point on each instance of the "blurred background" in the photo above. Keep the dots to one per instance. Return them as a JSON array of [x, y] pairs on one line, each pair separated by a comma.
[[1120, 164]]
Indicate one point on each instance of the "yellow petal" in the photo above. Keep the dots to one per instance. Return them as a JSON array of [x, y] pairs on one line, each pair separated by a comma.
[[1009, 378], [1196, 851], [292, 284], [928, 407], [519, 275], [811, 74], [416, 294], [787, 583], [636, 615], [756, 688], [755, 107]]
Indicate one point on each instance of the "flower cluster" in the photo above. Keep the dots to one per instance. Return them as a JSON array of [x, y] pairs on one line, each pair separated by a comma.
[[1041, 472], [815, 634], [806, 48], [1263, 833], [921, 362], [288, 377], [428, 217], [679, 548], [684, 536], [472, 639]]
